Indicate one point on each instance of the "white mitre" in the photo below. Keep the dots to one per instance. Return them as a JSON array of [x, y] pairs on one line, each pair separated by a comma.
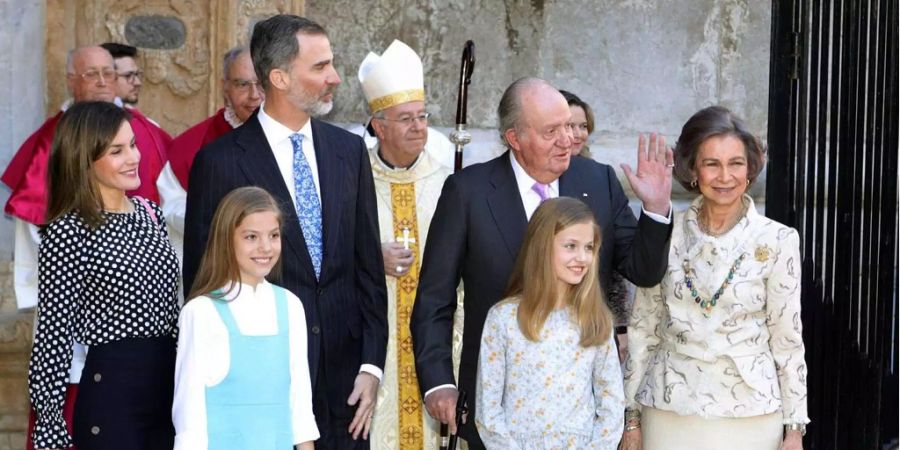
[[393, 78]]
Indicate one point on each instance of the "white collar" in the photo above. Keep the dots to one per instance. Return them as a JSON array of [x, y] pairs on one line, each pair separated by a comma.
[[525, 182], [71, 101], [231, 117], [243, 290], [276, 132]]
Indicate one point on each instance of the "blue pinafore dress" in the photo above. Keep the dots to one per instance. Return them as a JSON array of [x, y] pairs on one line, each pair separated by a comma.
[[250, 408]]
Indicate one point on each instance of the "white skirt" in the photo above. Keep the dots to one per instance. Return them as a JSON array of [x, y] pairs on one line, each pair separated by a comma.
[[665, 430]]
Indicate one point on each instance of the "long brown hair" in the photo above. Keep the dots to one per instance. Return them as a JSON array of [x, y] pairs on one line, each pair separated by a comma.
[[83, 135], [219, 267], [534, 282]]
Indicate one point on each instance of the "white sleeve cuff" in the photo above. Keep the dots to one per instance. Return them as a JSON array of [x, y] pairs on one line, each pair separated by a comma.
[[372, 369], [661, 219], [443, 386]]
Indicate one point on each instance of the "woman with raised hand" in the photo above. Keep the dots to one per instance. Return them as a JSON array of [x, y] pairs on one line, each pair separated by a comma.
[[716, 355]]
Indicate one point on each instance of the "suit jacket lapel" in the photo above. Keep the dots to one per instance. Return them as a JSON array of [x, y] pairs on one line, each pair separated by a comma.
[[261, 169], [506, 205], [328, 159]]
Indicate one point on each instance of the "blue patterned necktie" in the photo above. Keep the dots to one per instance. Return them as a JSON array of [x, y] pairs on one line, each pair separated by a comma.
[[306, 202]]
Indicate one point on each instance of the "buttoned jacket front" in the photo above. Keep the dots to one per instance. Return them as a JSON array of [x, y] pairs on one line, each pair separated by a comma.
[[745, 357]]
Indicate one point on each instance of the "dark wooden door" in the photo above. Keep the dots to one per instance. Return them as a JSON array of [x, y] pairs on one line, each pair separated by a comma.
[[832, 174]]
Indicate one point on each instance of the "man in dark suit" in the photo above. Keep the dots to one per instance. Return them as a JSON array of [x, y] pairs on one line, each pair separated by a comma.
[[320, 174], [480, 222]]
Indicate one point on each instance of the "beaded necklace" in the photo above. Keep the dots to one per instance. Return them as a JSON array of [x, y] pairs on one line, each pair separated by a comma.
[[707, 304]]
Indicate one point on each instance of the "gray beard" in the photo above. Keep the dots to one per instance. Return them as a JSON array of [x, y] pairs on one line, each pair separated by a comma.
[[319, 109]]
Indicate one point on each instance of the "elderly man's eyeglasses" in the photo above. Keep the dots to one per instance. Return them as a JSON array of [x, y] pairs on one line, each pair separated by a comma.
[[244, 85], [131, 76], [408, 120], [93, 76]]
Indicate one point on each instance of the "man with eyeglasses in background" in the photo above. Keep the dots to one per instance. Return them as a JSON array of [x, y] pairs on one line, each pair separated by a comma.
[[90, 76], [408, 181], [242, 95], [130, 76]]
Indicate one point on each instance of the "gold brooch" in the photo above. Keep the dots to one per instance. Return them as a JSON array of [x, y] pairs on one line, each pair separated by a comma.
[[762, 253]]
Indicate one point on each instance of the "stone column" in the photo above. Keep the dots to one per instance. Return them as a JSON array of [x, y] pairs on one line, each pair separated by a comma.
[[22, 87]]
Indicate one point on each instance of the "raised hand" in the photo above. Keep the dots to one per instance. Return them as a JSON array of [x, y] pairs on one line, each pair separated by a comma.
[[652, 183]]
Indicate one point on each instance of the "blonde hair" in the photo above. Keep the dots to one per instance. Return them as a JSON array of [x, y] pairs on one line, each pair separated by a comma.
[[219, 266], [535, 284]]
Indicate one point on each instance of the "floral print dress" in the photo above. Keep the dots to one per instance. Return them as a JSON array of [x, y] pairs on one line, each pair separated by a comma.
[[550, 394]]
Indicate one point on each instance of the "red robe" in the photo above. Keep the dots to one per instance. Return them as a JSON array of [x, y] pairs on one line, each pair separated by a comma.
[[186, 146], [26, 174]]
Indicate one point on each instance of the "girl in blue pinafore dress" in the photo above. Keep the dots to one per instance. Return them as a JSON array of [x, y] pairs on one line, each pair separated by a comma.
[[241, 377]]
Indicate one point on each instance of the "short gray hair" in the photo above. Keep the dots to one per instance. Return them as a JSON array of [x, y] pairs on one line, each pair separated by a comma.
[[70, 61], [229, 58], [274, 43], [510, 109]]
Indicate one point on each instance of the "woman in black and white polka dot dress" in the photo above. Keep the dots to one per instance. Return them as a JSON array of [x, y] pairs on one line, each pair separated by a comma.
[[107, 279]]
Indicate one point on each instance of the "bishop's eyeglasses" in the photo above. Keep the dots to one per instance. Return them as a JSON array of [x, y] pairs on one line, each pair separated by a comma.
[[408, 120]]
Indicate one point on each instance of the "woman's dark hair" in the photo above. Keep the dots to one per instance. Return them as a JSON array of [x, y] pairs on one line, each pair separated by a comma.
[[574, 100], [82, 136], [710, 122]]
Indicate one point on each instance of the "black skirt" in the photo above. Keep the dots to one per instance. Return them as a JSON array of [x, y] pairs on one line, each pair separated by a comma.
[[125, 396]]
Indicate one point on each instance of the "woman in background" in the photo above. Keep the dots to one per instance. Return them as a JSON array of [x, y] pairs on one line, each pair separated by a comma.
[[620, 293], [582, 123]]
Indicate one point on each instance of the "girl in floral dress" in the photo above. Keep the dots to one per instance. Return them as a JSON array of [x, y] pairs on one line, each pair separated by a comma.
[[548, 372]]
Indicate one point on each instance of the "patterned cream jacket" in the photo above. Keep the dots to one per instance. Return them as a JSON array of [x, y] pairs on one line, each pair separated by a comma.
[[747, 357]]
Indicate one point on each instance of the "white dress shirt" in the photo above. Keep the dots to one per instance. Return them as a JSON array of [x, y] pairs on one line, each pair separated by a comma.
[[204, 358], [279, 139], [530, 199]]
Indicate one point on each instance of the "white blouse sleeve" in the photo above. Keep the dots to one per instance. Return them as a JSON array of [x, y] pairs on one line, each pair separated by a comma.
[[643, 339], [302, 419], [189, 404], [609, 399], [490, 417], [173, 200], [785, 329]]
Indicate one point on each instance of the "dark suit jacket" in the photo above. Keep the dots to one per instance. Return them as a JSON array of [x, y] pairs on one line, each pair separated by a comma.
[[346, 309], [475, 235]]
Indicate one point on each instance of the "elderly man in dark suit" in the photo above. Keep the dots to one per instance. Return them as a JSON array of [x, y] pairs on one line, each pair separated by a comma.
[[331, 258], [480, 222]]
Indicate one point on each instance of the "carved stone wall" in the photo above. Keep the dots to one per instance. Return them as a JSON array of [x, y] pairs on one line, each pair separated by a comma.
[[182, 81], [643, 65]]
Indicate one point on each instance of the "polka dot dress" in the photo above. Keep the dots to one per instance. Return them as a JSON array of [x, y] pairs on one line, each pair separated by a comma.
[[94, 287]]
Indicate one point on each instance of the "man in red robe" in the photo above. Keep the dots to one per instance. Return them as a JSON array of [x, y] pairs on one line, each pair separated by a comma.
[[90, 76], [243, 95]]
